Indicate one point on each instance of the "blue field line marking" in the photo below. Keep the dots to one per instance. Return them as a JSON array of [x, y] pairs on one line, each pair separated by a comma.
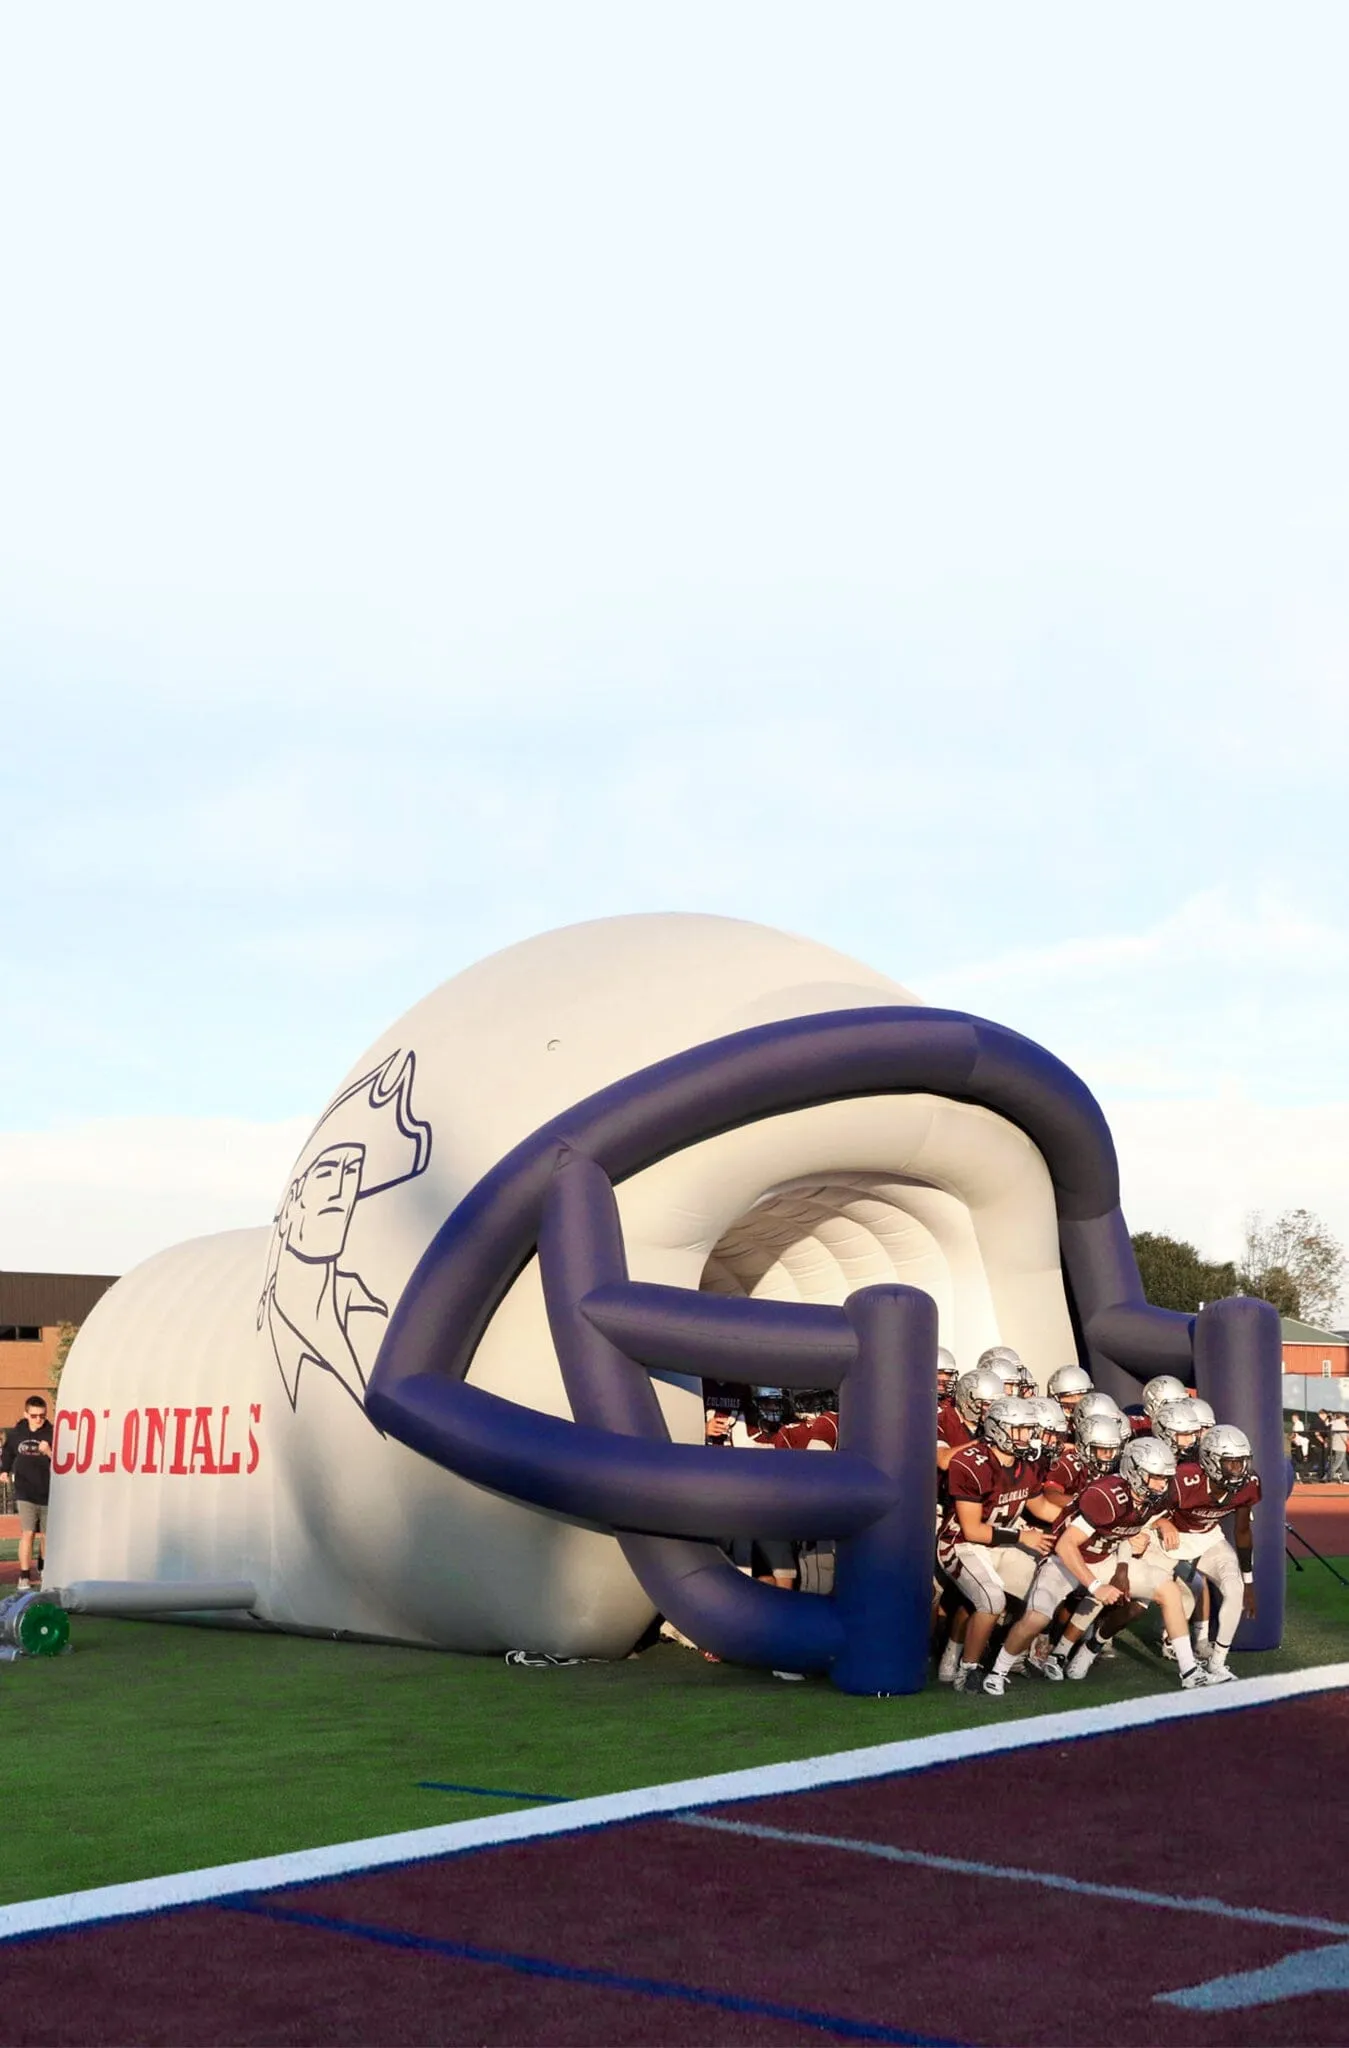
[[601, 1980], [494, 1792]]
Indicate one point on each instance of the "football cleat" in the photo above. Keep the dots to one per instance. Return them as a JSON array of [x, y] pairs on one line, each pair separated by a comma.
[[1218, 1674], [1197, 1676], [994, 1685], [1080, 1663], [949, 1664], [1045, 1660]]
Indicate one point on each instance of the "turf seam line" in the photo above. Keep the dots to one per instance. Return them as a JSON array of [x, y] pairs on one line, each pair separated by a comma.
[[577, 1973], [493, 1792], [841, 1767], [1011, 1873]]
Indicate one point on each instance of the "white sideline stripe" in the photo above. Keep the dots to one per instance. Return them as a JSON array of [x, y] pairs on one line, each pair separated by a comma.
[[1297, 1976], [882, 1760], [960, 1866]]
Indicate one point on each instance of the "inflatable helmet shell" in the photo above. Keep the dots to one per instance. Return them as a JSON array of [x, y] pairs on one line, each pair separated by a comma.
[[340, 1527]]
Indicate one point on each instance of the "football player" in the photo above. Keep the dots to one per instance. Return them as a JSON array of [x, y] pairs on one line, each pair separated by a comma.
[[959, 1415], [1006, 1363], [1093, 1454], [1097, 1403], [948, 1372], [1222, 1483], [1068, 1385], [1108, 1526], [983, 1551], [811, 1433], [1181, 1424], [1156, 1394], [1052, 1431]]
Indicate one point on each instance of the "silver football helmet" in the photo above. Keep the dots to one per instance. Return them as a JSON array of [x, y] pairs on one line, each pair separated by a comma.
[[973, 1392], [1009, 1425], [1051, 1424], [1101, 1438], [1181, 1424], [1222, 1447], [1166, 1387], [1142, 1463], [1069, 1384], [948, 1372], [998, 1354], [1097, 1403]]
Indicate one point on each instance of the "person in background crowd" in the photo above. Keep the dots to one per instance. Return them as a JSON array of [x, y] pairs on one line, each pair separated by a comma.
[[1321, 1446], [1299, 1446], [1339, 1448], [27, 1460]]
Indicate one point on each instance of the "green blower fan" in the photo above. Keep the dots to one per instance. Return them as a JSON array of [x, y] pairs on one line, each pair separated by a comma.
[[32, 1627]]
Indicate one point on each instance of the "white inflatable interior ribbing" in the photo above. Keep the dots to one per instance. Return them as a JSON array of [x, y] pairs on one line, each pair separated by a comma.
[[253, 1345]]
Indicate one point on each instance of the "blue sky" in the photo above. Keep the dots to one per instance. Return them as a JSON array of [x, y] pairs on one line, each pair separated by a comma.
[[878, 470]]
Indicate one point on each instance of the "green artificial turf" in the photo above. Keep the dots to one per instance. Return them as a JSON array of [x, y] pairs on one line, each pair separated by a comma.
[[156, 1748]]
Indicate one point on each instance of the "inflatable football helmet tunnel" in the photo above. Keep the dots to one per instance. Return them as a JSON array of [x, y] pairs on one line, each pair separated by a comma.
[[452, 1395]]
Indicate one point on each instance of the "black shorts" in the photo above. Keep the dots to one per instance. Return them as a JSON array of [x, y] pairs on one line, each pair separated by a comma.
[[762, 1554]]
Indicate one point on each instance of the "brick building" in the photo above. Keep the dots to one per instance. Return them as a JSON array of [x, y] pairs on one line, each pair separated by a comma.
[[33, 1306]]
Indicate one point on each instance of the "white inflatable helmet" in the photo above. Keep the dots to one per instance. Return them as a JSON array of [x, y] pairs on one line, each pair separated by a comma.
[[270, 1335]]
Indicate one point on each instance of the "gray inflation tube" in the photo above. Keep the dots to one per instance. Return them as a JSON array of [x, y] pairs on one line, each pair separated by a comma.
[[146, 1596]]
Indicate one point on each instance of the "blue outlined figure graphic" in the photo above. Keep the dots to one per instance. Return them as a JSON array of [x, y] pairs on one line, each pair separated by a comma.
[[367, 1140]]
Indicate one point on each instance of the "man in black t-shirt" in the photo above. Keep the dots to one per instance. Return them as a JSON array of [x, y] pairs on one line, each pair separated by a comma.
[[27, 1460]]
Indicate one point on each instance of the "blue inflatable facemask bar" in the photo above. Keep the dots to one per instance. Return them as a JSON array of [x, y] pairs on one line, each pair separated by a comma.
[[615, 1464]]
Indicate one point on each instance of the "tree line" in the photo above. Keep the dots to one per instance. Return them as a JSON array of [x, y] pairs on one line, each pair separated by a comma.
[[1291, 1260]]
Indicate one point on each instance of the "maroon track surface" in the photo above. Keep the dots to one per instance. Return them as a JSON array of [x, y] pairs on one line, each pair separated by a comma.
[[1223, 1806], [1321, 1513]]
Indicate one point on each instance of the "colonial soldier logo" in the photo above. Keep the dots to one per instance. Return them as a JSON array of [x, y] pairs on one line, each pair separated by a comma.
[[367, 1140]]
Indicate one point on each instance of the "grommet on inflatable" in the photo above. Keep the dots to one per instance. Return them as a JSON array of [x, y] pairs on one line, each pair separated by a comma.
[[453, 1395]]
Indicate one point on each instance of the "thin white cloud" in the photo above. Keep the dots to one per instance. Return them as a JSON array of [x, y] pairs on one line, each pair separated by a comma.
[[1208, 927], [97, 1197], [1196, 1169]]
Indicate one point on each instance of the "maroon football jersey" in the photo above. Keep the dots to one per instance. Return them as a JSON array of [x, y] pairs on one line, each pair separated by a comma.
[[800, 1436], [1001, 1490], [1107, 1512], [1067, 1474], [1200, 1506], [952, 1428]]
